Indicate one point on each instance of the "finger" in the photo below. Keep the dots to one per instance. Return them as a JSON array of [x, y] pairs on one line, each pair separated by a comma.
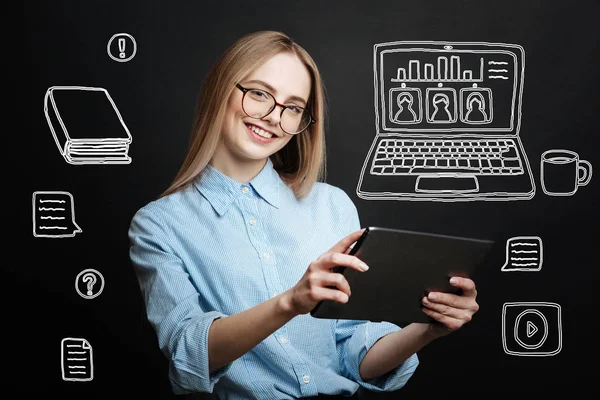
[[467, 285], [321, 293], [451, 300], [330, 260], [342, 245], [450, 323], [444, 309], [336, 280]]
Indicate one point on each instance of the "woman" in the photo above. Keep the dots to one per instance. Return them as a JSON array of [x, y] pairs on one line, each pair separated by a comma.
[[236, 252]]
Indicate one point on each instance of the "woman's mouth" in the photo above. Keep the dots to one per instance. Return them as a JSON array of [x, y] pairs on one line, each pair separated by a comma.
[[260, 134]]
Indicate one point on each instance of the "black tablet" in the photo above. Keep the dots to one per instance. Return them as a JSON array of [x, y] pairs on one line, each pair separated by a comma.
[[403, 267]]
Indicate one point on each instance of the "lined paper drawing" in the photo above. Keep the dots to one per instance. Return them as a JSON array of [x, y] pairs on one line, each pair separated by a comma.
[[86, 125], [76, 360], [563, 172], [531, 328], [54, 214], [524, 253], [448, 119]]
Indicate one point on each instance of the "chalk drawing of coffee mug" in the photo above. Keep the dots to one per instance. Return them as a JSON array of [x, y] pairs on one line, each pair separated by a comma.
[[563, 172]]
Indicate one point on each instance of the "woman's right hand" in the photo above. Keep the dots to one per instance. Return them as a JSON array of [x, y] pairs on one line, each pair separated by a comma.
[[317, 282]]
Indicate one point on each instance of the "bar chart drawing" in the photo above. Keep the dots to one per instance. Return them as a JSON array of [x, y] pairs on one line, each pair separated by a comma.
[[448, 70]]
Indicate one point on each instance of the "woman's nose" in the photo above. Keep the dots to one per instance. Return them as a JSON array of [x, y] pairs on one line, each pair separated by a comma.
[[275, 115]]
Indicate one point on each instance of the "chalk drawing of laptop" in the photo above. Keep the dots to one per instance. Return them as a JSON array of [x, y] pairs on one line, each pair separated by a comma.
[[447, 118]]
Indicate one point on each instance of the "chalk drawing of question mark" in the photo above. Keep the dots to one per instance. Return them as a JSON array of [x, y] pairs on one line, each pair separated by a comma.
[[89, 278]]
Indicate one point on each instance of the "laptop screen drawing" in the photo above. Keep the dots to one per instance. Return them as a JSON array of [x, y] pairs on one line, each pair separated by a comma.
[[448, 118]]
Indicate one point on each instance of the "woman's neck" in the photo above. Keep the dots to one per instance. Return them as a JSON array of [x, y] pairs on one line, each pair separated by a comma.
[[242, 171]]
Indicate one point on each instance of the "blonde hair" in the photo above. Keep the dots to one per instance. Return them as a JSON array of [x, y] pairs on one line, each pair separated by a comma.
[[301, 162]]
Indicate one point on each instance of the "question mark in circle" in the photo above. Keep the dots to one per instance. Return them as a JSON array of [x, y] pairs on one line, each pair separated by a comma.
[[94, 283], [91, 281]]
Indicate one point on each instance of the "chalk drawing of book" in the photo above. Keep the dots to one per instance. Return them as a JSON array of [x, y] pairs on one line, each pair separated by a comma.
[[86, 125], [447, 118]]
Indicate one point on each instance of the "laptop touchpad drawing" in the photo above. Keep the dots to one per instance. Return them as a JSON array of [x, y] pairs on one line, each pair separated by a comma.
[[446, 183]]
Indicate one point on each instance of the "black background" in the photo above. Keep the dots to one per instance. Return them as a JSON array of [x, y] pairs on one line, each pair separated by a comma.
[[65, 44]]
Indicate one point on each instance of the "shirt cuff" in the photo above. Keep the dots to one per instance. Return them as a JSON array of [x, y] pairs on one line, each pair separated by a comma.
[[363, 338], [191, 374]]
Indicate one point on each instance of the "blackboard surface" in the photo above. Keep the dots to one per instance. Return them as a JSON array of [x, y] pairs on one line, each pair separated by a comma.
[[143, 62]]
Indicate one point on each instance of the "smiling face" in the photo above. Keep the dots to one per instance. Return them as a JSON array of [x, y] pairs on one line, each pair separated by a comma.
[[247, 142]]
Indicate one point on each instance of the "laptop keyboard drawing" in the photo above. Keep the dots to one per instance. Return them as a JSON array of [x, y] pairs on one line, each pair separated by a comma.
[[448, 117]]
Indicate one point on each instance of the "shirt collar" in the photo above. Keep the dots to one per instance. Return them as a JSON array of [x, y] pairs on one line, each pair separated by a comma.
[[221, 191]]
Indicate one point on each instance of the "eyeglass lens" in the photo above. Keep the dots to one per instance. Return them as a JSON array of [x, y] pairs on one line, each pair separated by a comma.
[[258, 103]]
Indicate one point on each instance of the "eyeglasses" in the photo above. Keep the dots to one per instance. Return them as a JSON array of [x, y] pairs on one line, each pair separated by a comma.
[[258, 103]]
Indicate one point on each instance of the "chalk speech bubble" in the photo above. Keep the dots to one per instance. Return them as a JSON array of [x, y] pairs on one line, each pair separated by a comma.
[[54, 215], [523, 253]]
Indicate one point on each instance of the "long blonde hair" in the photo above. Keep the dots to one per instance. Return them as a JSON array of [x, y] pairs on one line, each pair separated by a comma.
[[301, 162]]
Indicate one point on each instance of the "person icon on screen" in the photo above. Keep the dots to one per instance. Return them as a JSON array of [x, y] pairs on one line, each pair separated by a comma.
[[441, 105], [405, 112], [476, 108]]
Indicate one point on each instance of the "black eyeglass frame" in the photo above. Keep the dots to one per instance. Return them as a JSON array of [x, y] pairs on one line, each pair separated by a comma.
[[283, 108]]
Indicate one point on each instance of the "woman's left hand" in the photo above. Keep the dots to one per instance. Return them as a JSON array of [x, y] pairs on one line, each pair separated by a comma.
[[451, 311]]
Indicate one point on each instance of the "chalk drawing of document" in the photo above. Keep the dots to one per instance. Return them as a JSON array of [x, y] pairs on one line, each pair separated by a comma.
[[86, 125], [54, 215], [448, 117], [76, 360]]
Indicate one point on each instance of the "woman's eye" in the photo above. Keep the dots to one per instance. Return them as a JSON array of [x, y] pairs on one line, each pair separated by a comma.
[[258, 94], [295, 109]]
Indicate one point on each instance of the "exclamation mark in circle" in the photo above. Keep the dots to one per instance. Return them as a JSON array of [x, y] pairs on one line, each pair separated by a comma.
[[121, 47], [124, 49]]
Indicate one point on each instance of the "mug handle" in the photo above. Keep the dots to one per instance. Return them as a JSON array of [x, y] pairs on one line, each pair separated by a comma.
[[586, 167]]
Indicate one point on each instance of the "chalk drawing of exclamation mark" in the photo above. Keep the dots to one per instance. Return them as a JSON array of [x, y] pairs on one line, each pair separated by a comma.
[[121, 43], [126, 51]]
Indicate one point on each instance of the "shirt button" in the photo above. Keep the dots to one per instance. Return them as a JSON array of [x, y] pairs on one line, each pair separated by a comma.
[[245, 189], [252, 221], [306, 378], [266, 255], [283, 339]]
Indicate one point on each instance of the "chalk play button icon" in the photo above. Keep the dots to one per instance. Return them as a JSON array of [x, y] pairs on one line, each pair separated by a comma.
[[531, 329], [527, 333]]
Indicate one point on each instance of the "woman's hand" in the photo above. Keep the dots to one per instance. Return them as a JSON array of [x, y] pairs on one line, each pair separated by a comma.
[[320, 283], [449, 310]]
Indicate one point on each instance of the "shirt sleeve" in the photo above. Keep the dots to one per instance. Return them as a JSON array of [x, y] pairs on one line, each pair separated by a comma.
[[172, 305], [353, 341], [355, 338]]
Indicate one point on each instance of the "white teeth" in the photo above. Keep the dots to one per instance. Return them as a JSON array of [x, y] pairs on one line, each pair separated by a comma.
[[260, 132]]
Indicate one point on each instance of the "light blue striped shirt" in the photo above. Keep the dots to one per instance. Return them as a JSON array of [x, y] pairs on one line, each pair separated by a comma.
[[220, 247]]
